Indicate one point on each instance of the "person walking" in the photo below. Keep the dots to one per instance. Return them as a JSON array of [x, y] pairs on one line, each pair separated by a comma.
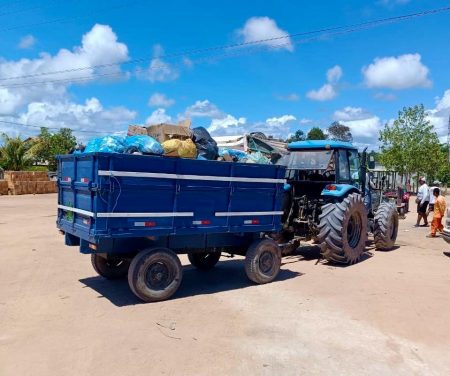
[[436, 184], [422, 200], [439, 211]]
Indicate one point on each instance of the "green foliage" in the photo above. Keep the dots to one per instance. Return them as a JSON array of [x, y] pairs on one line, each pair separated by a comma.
[[339, 132], [299, 135], [316, 134], [48, 145], [36, 168], [410, 145], [14, 154]]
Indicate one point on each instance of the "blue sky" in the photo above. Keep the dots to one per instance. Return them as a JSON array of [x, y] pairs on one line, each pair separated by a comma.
[[361, 79]]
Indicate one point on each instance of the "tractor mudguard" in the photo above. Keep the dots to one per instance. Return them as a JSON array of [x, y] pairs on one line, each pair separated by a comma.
[[339, 190]]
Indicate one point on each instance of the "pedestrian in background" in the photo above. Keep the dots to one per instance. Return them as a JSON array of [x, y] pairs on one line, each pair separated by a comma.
[[436, 184], [439, 211], [422, 201]]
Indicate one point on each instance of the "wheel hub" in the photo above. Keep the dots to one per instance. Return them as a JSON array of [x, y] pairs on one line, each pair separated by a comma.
[[266, 262], [158, 276]]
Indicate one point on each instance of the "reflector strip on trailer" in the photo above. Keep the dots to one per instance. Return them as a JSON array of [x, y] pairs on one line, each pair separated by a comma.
[[251, 222], [239, 214], [84, 180], [76, 210], [154, 175], [203, 222], [144, 215], [145, 224]]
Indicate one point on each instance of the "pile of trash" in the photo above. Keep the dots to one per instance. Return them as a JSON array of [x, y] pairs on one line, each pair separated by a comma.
[[172, 141]]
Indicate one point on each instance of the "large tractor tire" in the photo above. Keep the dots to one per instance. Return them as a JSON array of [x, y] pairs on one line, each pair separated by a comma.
[[385, 227], [343, 230]]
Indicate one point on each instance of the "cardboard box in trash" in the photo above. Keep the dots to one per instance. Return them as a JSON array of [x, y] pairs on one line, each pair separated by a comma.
[[164, 132]]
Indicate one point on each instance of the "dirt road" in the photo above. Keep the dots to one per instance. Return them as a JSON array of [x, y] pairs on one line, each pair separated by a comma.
[[387, 315]]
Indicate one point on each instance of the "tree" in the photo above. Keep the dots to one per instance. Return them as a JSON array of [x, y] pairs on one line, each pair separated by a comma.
[[299, 135], [339, 132], [316, 134], [410, 145], [48, 145], [14, 154]]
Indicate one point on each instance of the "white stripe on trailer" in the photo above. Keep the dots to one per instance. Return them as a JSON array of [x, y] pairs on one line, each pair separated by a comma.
[[155, 175], [76, 210], [239, 214], [144, 215]]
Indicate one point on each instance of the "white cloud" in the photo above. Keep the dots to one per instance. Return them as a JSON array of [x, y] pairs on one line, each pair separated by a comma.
[[204, 109], [439, 116], [329, 90], [261, 28], [89, 116], [305, 121], [392, 3], [158, 70], [160, 100], [363, 125], [334, 74], [227, 125], [401, 72], [28, 41], [188, 62], [98, 46], [325, 93], [280, 121], [158, 116]]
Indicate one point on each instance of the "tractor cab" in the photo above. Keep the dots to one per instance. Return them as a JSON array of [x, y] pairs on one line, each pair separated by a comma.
[[323, 168]]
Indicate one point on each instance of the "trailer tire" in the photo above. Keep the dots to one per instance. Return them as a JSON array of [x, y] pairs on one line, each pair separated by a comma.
[[263, 261], [113, 268], [343, 230], [204, 260], [155, 274], [385, 227]]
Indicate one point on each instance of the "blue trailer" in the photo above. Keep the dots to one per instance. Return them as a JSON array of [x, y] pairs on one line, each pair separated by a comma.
[[134, 214]]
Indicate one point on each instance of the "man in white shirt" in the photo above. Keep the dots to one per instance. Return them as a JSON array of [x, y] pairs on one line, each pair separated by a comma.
[[422, 200]]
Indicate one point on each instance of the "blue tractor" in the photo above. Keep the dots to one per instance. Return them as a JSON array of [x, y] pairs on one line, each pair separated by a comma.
[[329, 198]]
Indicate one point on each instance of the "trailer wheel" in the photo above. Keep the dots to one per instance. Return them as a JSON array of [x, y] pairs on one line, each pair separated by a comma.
[[155, 274], [204, 260], [343, 230], [385, 226], [263, 261], [112, 268]]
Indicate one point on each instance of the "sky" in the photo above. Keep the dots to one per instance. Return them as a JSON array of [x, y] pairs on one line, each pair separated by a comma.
[[98, 66]]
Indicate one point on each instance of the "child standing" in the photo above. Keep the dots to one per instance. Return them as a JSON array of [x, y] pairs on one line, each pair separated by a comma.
[[439, 213]]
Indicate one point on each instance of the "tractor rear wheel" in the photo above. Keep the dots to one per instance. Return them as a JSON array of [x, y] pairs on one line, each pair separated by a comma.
[[343, 230], [385, 226]]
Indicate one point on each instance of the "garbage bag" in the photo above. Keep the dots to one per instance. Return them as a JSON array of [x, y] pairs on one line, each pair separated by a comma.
[[257, 157], [206, 145], [179, 148], [234, 153], [143, 144], [107, 144]]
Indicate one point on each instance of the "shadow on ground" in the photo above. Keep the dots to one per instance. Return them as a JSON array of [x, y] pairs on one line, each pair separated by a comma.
[[226, 276]]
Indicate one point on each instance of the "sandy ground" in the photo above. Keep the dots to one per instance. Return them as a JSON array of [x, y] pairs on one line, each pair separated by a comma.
[[387, 315]]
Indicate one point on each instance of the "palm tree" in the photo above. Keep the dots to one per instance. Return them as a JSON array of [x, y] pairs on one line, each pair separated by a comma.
[[14, 154]]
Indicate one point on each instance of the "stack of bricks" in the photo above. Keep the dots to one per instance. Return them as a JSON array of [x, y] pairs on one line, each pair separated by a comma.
[[29, 182], [3, 187]]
